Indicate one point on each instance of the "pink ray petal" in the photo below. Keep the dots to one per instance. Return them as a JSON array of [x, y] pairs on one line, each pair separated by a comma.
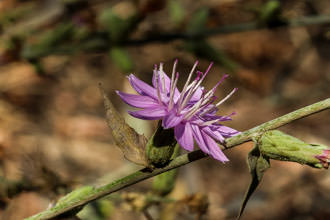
[[167, 81], [226, 131], [214, 134], [149, 114], [214, 148], [199, 139], [171, 120], [184, 135], [141, 87], [138, 101]]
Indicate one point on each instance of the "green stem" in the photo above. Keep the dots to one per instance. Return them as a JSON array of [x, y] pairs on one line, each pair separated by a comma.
[[182, 160], [278, 122]]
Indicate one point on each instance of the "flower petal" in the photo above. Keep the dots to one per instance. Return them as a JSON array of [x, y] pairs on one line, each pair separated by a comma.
[[149, 114], [197, 95], [211, 117], [138, 101], [199, 139], [141, 87], [171, 120], [214, 134], [183, 134], [214, 148], [226, 131]]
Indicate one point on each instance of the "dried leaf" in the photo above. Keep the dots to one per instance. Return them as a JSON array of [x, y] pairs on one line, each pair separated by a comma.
[[126, 138]]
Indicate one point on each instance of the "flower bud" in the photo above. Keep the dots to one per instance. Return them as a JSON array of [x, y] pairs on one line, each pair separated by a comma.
[[280, 146]]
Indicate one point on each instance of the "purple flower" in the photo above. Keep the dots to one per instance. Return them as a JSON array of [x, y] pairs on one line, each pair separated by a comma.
[[324, 158], [191, 112]]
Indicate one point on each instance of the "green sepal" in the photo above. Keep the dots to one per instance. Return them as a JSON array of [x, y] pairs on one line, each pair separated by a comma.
[[160, 147]]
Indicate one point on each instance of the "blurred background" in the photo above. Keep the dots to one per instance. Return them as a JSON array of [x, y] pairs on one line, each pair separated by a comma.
[[53, 133]]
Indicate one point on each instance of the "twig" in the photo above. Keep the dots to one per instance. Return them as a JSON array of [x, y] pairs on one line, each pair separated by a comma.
[[147, 215], [182, 160]]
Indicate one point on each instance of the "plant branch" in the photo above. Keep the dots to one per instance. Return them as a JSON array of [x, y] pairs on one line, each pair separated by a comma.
[[98, 192]]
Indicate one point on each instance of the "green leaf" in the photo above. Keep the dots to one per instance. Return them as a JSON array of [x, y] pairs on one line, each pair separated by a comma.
[[270, 14], [257, 166], [48, 41], [198, 21], [176, 11], [117, 27], [201, 48], [121, 58]]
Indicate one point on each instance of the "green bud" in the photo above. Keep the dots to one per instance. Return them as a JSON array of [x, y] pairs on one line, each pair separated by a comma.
[[280, 146], [160, 147]]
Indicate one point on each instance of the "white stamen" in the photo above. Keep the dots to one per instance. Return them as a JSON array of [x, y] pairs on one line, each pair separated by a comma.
[[172, 91], [172, 76], [162, 77], [194, 109], [227, 97], [187, 98], [207, 100], [187, 82], [210, 122], [212, 91], [195, 87], [223, 118], [201, 80], [220, 102], [172, 86], [157, 85]]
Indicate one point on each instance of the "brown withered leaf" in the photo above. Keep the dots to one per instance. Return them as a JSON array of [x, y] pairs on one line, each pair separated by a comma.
[[126, 138]]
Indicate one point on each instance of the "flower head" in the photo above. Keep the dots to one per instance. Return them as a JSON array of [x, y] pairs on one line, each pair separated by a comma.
[[191, 112]]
